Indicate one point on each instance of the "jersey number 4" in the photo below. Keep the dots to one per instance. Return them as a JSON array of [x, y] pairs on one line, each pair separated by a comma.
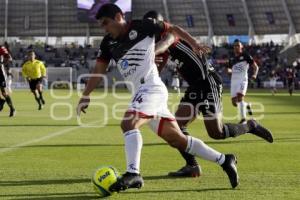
[[138, 98]]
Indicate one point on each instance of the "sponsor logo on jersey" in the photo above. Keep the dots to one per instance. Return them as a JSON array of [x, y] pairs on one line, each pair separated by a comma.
[[239, 67], [178, 63], [124, 64], [112, 42], [99, 53], [133, 34], [129, 72]]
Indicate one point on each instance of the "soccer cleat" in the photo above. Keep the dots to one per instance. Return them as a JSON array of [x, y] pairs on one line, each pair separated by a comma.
[[260, 131], [243, 121], [2, 102], [229, 166], [12, 112], [43, 101], [187, 171], [40, 107], [249, 109], [128, 180]]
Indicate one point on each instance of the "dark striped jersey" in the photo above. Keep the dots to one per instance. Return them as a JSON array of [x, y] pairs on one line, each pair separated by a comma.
[[134, 52], [191, 67]]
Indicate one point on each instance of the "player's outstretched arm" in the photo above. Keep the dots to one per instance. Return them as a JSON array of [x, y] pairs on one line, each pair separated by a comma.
[[255, 70], [162, 45], [84, 101], [184, 35]]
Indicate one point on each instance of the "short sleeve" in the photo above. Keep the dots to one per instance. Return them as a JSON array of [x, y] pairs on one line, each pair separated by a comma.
[[104, 54], [229, 63], [249, 58], [154, 27]]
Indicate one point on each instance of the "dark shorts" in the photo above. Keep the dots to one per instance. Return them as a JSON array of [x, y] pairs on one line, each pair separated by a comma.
[[34, 82], [290, 84], [2, 78], [205, 96]]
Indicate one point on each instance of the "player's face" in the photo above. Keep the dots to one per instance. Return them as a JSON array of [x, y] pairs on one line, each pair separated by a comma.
[[238, 48], [112, 27], [31, 56]]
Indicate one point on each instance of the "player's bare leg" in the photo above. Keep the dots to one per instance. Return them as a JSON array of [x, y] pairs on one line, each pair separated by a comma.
[[218, 130], [171, 133], [133, 147], [36, 97], [2, 102], [242, 106], [40, 91], [8, 100], [185, 115]]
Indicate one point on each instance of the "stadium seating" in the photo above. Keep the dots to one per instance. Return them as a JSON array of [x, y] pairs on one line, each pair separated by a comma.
[[27, 17]]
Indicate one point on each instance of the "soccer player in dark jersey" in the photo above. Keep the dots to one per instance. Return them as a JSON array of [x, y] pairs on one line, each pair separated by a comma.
[[238, 68], [290, 77], [202, 96], [4, 58], [132, 45]]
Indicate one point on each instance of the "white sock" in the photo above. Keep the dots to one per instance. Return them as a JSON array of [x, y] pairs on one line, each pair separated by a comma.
[[133, 149], [242, 107], [198, 148]]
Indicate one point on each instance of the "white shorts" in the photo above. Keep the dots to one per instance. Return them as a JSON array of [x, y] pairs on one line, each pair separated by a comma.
[[175, 82], [238, 87], [151, 101], [273, 83]]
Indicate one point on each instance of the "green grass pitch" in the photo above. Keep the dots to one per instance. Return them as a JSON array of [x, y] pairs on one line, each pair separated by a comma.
[[46, 155]]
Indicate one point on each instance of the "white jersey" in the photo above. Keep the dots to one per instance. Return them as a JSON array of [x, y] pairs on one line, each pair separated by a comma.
[[134, 52], [240, 66], [135, 58], [142, 70]]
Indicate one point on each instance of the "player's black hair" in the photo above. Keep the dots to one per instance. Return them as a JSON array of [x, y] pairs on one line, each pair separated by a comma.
[[153, 15], [30, 51], [236, 41], [108, 10]]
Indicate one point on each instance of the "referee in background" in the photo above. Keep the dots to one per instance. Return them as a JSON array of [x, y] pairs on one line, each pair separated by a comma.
[[34, 71]]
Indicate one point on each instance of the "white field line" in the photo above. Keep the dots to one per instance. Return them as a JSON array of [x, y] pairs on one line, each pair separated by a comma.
[[44, 138]]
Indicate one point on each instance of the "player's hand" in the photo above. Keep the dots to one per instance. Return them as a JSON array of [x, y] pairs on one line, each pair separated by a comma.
[[201, 49], [83, 104], [159, 59], [253, 78]]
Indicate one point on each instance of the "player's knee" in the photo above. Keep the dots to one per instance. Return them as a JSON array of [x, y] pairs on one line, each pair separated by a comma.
[[234, 101], [218, 135], [4, 93], [240, 98], [215, 132], [177, 142], [127, 125]]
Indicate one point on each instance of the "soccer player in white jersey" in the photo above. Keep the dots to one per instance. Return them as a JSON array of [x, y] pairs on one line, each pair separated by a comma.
[[273, 81], [238, 68], [132, 46]]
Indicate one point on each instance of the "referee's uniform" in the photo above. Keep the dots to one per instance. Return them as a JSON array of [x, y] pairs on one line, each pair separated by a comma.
[[34, 71]]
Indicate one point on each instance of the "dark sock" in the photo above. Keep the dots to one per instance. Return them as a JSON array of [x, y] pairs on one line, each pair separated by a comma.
[[190, 159], [41, 95], [2, 102], [234, 130], [9, 102], [37, 100]]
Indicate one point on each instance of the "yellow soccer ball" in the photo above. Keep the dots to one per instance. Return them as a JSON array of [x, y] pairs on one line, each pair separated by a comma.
[[103, 178]]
